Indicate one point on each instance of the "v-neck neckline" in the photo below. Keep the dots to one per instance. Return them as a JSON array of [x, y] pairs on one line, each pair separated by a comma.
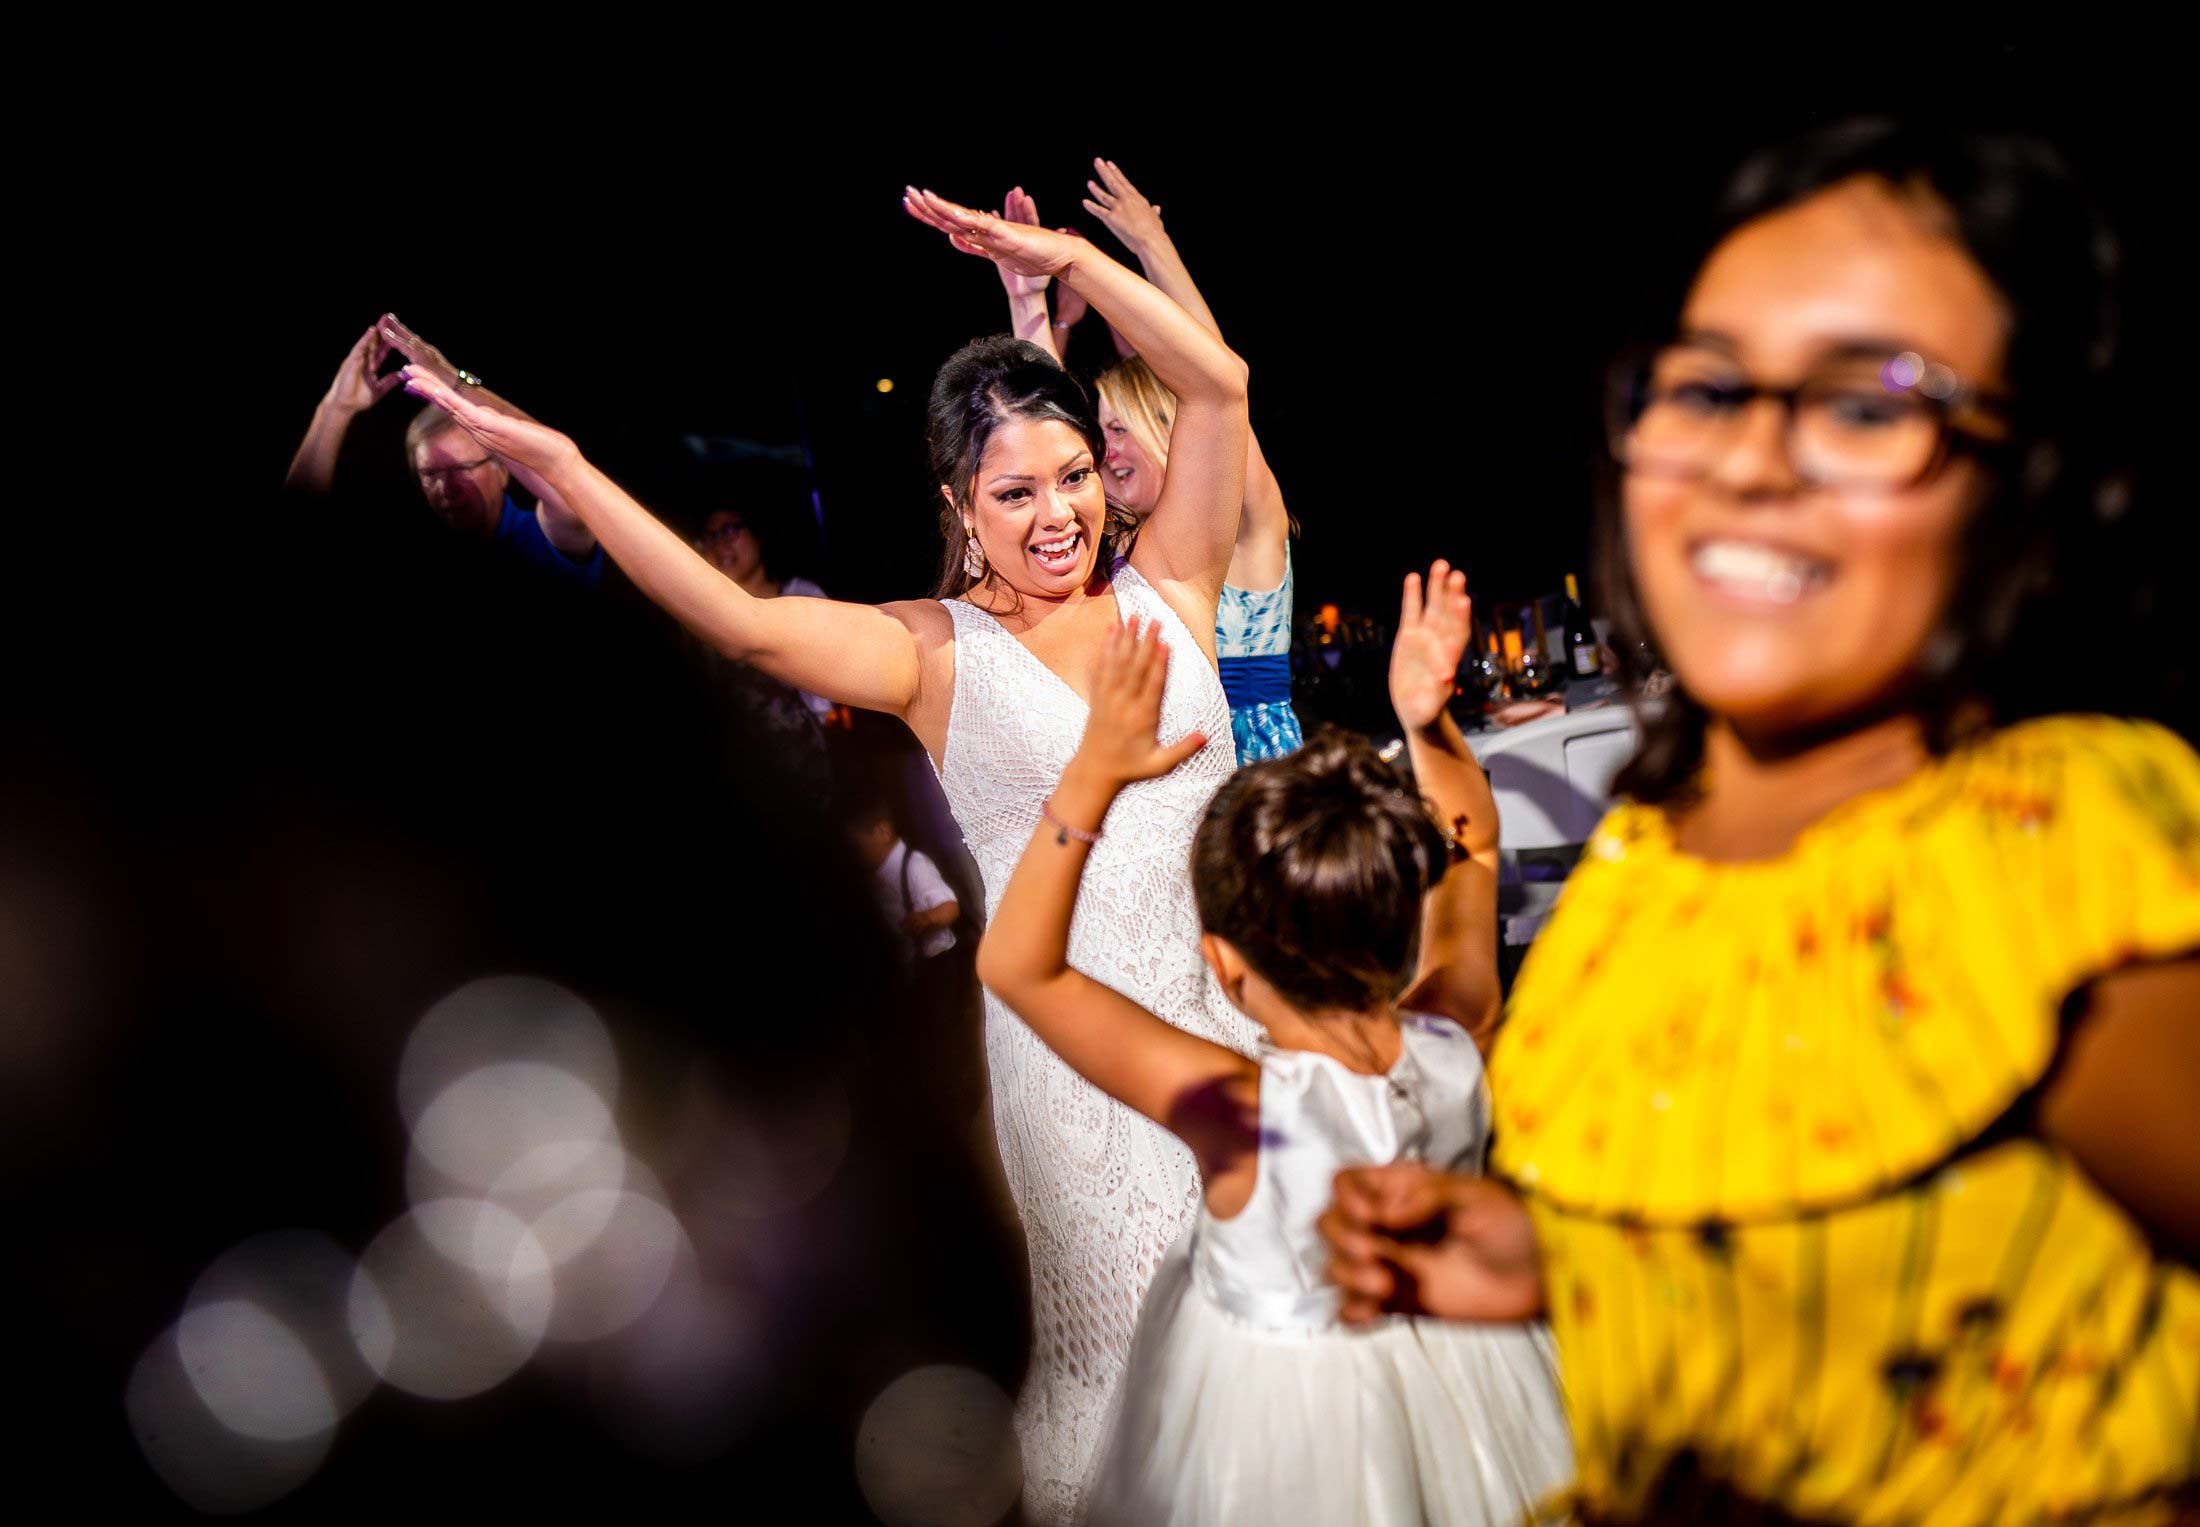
[[1064, 684]]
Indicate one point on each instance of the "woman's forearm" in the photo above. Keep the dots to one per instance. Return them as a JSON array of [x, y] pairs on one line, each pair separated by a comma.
[[1189, 536], [1028, 319], [1452, 781], [1027, 942], [1457, 974], [850, 654], [1191, 359], [563, 528], [661, 565]]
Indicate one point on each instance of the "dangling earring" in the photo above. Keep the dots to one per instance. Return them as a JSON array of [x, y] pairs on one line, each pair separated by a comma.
[[973, 559]]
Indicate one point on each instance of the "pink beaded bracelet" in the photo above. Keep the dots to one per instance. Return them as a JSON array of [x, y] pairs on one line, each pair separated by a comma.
[[1063, 831]]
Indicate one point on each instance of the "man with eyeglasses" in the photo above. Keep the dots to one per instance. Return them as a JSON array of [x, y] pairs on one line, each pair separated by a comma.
[[467, 488]]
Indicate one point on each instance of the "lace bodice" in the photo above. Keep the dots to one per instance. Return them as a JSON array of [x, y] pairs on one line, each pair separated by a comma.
[[1102, 1191], [1015, 723]]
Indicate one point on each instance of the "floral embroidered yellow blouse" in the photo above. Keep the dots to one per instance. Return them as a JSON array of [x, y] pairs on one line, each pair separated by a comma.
[[1773, 1123]]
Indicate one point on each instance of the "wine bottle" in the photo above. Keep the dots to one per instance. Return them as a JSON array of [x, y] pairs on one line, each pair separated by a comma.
[[1585, 657]]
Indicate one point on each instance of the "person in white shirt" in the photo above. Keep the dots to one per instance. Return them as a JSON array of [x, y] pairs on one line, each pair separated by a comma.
[[912, 893]]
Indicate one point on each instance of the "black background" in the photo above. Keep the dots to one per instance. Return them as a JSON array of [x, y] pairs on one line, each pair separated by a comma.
[[280, 775]]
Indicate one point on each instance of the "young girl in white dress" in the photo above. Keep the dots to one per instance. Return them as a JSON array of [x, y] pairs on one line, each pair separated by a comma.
[[1330, 919]]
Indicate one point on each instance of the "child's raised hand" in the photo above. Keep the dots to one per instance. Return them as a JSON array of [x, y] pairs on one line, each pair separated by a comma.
[[1409, 1239], [1431, 643], [1121, 742]]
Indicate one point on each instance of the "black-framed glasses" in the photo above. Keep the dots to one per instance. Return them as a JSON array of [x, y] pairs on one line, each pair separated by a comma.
[[457, 469], [1868, 419]]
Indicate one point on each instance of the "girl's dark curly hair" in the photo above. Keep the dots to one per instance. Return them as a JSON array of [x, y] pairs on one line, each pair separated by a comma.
[[1314, 866]]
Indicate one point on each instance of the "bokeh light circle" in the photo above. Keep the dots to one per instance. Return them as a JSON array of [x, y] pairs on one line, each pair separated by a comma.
[[252, 1372], [209, 1466], [501, 1019], [302, 1280], [937, 1448], [484, 1125], [451, 1299], [611, 1252]]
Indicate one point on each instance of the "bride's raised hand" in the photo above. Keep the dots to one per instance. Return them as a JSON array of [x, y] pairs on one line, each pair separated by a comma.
[[1431, 644], [1023, 249], [522, 441], [1122, 741]]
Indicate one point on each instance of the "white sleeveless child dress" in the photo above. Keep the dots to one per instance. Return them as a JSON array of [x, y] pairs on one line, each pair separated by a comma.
[[1102, 1191], [1246, 1401]]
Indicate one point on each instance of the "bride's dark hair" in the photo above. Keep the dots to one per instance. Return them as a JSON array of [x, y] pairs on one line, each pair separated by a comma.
[[985, 383]]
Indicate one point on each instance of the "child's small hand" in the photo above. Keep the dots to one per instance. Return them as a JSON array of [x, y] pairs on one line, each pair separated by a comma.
[[1431, 643], [1121, 742]]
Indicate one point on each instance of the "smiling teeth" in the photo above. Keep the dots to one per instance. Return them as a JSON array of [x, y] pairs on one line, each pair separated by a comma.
[[1755, 570]]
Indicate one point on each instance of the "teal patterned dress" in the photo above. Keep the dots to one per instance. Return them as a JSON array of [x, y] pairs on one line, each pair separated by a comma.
[[1253, 648]]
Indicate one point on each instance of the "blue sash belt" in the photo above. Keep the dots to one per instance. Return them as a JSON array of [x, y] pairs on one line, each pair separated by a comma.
[[1264, 680]]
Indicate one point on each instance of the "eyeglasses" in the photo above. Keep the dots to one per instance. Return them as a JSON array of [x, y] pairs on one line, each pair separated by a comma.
[[1883, 422], [459, 469], [722, 533]]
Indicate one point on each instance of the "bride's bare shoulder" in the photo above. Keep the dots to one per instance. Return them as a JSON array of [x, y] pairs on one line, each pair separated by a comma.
[[925, 619]]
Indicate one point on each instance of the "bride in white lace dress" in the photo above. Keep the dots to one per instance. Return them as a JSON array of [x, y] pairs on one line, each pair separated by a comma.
[[988, 678]]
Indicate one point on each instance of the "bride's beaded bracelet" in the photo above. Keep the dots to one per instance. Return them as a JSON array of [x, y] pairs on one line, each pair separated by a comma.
[[1063, 832]]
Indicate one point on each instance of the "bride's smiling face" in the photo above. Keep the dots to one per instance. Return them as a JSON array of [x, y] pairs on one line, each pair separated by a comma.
[[1036, 507]]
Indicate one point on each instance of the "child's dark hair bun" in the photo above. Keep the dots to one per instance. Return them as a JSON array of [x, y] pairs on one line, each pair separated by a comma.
[[1314, 867]]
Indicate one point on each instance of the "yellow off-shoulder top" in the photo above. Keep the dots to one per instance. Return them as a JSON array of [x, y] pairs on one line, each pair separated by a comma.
[[1773, 1122]]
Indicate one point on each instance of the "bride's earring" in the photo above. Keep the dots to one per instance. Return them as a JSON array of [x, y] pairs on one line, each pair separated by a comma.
[[973, 558]]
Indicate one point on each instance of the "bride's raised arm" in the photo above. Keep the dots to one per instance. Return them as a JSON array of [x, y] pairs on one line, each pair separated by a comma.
[[1188, 537], [854, 654]]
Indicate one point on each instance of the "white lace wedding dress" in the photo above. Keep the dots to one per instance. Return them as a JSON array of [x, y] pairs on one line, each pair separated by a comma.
[[1102, 1192]]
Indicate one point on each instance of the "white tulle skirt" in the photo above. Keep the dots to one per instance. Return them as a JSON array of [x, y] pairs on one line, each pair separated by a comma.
[[1220, 1422]]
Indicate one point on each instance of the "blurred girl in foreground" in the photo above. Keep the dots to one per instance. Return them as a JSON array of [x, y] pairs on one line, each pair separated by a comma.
[[1848, 1101]]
